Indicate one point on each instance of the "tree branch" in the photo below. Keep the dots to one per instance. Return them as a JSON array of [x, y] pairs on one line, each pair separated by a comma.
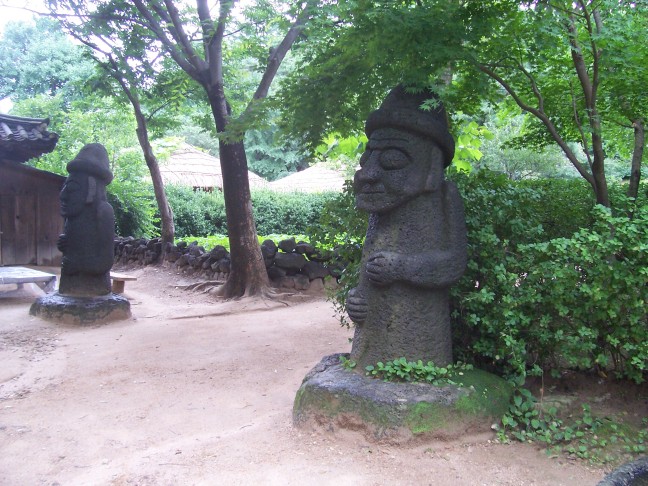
[[543, 118], [580, 126], [154, 25], [534, 86], [278, 54], [176, 29], [579, 62]]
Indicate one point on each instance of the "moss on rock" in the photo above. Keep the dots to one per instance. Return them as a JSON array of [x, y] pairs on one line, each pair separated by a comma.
[[334, 397]]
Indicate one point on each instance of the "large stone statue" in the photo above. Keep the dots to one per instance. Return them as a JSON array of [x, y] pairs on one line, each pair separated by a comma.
[[88, 242], [414, 251], [416, 240]]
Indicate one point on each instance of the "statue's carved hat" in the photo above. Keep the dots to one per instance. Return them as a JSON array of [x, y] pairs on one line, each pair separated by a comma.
[[92, 160], [402, 110]]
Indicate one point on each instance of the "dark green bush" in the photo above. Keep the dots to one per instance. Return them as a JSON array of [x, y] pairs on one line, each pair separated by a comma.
[[565, 205], [534, 300], [202, 213], [197, 213], [289, 213], [585, 298], [135, 209]]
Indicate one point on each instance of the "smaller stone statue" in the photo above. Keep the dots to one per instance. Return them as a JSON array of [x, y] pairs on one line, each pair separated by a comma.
[[88, 242], [415, 247]]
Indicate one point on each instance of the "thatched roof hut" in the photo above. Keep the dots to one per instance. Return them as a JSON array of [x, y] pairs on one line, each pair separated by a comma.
[[317, 178], [190, 166]]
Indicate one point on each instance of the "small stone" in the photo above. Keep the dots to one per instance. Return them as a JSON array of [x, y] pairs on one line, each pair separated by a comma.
[[288, 246], [304, 248], [290, 261]]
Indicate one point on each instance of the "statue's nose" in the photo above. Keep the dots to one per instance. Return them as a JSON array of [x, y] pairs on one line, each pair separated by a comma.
[[370, 171]]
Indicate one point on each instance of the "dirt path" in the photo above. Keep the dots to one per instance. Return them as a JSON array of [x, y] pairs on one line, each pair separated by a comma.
[[173, 398]]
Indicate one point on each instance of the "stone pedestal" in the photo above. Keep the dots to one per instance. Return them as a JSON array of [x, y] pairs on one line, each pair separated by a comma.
[[67, 309], [332, 398], [632, 474]]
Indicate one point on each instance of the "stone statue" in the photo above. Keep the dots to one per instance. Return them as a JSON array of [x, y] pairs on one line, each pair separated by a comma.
[[88, 242], [415, 247]]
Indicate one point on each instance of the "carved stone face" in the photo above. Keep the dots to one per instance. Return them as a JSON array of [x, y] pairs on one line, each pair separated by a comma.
[[74, 194], [393, 169]]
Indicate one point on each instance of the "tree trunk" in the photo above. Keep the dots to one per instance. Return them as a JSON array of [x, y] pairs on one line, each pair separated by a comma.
[[166, 214], [600, 182], [248, 275], [637, 156]]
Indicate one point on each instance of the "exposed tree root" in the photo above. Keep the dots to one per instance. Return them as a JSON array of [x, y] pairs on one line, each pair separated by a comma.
[[205, 287], [218, 289]]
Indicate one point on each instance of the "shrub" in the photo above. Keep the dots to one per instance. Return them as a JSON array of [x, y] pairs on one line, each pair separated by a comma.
[[290, 213], [197, 213], [565, 205], [499, 217], [202, 213], [582, 301], [341, 228]]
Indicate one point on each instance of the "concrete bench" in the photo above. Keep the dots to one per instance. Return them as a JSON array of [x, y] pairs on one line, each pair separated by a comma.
[[119, 281], [23, 275]]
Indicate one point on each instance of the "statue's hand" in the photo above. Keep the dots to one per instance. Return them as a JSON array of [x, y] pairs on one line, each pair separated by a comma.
[[61, 243], [356, 306], [382, 267]]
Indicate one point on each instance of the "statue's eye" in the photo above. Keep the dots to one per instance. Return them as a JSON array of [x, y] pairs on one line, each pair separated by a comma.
[[72, 186], [391, 159]]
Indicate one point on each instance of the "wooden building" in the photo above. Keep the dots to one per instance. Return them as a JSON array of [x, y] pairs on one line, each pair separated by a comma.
[[30, 219]]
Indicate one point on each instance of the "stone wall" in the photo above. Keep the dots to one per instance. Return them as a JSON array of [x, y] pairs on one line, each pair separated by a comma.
[[289, 264]]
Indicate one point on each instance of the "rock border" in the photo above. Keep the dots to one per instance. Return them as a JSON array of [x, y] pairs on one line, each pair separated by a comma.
[[290, 264]]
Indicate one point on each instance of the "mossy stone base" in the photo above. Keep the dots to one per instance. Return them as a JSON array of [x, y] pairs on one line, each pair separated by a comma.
[[67, 309], [332, 397]]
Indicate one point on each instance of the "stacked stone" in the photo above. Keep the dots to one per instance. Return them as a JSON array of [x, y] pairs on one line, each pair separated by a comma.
[[295, 265], [291, 264], [142, 251]]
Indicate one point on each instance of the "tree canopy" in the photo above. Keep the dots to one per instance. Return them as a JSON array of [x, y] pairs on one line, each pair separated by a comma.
[[565, 64], [39, 58]]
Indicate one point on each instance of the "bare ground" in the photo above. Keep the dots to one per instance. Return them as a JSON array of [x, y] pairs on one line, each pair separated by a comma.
[[194, 390]]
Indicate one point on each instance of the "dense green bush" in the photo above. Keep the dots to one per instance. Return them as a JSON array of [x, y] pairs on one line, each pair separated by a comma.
[[135, 213], [565, 205], [197, 213], [201, 213], [290, 213], [576, 302], [552, 281]]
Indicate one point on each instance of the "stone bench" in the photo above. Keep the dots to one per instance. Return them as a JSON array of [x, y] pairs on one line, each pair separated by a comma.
[[119, 281], [23, 275]]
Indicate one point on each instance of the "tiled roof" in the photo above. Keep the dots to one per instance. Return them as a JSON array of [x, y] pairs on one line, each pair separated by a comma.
[[22, 139]]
